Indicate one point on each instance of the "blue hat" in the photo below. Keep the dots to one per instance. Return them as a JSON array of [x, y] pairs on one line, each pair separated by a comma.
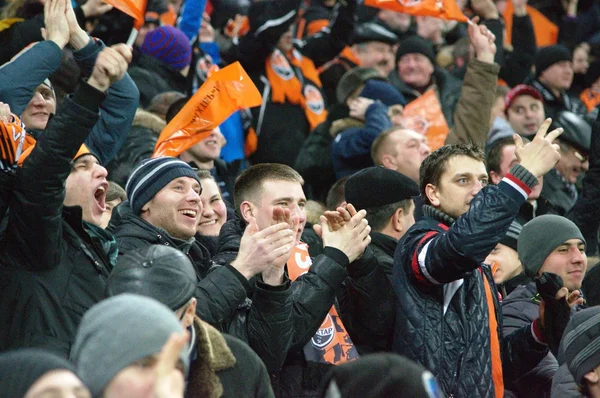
[[170, 45], [382, 91], [152, 176]]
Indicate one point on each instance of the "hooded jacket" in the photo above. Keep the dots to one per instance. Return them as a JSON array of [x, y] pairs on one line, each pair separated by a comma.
[[53, 266], [442, 306]]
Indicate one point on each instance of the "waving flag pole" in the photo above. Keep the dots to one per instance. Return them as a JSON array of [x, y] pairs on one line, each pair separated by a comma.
[[136, 10]]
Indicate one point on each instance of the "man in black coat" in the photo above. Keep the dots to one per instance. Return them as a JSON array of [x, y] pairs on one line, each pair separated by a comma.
[[267, 193], [54, 257], [447, 310]]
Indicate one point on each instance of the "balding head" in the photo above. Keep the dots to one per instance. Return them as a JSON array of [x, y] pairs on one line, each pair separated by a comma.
[[402, 150]]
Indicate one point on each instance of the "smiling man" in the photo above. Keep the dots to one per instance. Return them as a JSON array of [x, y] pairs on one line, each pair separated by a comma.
[[548, 243], [446, 298]]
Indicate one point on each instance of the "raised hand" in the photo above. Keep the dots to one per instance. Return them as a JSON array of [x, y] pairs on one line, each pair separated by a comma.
[[5, 114], [540, 155], [482, 41], [358, 107], [259, 250], [111, 66], [95, 8], [351, 239], [520, 7], [55, 22], [79, 38]]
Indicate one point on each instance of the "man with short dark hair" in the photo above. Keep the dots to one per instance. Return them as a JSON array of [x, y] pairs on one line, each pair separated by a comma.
[[267, 193], [446, 299]]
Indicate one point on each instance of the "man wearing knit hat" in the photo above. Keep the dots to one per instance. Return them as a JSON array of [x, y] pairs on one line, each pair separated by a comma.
[[552, 244], [162, 63], [579, 357], [54, 256], [553, 77], [217, 361], [130, 346], [163, 208], [524, 109]]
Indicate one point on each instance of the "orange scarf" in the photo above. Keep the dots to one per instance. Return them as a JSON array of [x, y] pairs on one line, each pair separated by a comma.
[[494, 340], [295, 79], [331, 343], [590, 98]]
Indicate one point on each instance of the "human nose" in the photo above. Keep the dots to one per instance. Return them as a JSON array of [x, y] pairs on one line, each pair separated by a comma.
[[38, 99], [585, 165], [578, 256], [100, 171]]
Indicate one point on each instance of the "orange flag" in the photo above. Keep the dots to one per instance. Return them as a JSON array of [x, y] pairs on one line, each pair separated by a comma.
[[133, 8], [224, 92], [546, 32], [424, 115], [444, 9]]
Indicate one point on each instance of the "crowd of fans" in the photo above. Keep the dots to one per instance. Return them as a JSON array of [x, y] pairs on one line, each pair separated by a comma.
[[412, 210]]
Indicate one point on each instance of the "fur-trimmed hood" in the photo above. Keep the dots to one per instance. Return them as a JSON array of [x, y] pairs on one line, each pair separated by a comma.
[[148, 120]]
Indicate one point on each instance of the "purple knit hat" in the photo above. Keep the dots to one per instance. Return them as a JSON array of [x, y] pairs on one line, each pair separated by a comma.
[[170, 45]]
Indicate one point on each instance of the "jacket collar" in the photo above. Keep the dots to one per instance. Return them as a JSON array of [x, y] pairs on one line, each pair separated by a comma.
[[438, 215], [384, 242]]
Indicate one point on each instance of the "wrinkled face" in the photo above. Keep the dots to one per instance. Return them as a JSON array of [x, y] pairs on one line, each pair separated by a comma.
[[376, 55], [572, 163], [410, 150], [526, 114], [509, 159], [86, 187], [214, 211], [58, 384], [138, 381], [558, 76], [569, 262], [40, 107], [463, 178], [110, 205], [415, 70], [508, 262], [286, 42], [284, 194], [176, 208], [208, 149], [580, 60]]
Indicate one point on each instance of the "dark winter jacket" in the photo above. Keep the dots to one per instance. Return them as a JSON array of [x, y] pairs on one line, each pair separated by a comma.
[[351, 149], [383, 247], [363, 303], [518, 62], [563, 384], [553, 105], [222, 366], [561, 195], [223, 294], [520, 308], [442, 314], [20, 78], [53, 266], [447, 86], [153, 77]]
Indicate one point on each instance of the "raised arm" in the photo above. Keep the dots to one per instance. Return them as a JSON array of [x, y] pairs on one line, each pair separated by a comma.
[[34, 240]]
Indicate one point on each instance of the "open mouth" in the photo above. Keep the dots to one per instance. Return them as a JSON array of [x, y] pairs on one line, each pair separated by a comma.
[[100, 196], [189, 213], [208, 223]]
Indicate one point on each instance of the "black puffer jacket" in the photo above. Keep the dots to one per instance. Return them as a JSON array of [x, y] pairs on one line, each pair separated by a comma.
[[448, 89], [442, 314], [51, 269], [364, 303], [223, 294]]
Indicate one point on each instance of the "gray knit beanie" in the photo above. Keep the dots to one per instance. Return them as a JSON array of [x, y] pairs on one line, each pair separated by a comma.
[[153, 175], [117, 332], [540, 237], [580, 345]]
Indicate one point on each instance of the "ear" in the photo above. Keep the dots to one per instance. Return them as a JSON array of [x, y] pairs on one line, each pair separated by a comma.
[[397, 220], [495, 177], [432, 193], [190, 313], [388, 162], [591, 377], [247, 211]]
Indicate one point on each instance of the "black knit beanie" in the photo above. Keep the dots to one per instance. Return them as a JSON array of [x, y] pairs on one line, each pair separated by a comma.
[[416, 44], [548, 56], [20, 369]]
